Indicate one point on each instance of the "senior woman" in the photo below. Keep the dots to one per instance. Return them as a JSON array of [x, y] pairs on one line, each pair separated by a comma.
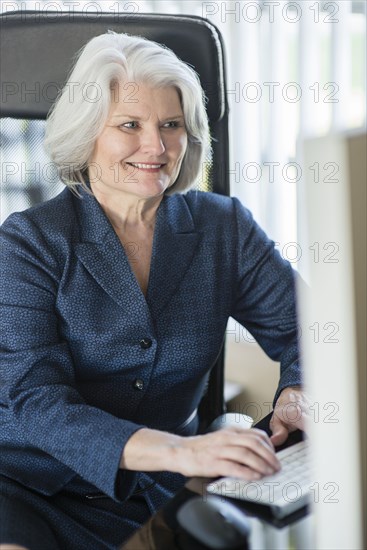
[[116, 295]]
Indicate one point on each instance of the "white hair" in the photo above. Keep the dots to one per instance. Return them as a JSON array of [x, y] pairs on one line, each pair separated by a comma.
[[81, 111]]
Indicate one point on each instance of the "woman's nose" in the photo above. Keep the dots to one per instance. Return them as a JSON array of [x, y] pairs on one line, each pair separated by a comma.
[[152, 142]]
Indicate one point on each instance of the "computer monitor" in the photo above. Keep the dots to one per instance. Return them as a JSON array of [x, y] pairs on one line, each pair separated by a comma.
[[332, 215]]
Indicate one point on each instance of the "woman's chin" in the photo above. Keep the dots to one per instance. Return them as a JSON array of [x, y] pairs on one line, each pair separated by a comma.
[[144, 188], [152, 189]]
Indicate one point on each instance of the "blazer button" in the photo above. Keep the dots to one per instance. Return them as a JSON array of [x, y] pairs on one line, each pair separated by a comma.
[[145, 343], [138, 384]]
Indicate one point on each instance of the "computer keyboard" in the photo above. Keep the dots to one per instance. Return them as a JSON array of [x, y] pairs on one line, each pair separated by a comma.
[[284, 492]]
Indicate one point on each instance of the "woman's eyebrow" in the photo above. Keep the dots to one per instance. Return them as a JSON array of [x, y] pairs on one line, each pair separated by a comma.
[[136, 117]]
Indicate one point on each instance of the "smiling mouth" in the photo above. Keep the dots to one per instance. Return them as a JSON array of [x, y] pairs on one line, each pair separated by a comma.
[[144, 166]]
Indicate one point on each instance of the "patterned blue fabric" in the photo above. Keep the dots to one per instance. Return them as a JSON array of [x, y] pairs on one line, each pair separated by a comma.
[[65, 521], [73, 318]]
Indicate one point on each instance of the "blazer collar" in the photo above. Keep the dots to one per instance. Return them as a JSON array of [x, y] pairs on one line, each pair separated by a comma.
[[100, 251], [174, 246]]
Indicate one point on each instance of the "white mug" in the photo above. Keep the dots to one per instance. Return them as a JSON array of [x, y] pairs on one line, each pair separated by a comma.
[[238, 420]]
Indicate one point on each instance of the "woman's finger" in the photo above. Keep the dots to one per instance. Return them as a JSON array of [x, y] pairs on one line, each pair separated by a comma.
[[248, 457], [255, 440]]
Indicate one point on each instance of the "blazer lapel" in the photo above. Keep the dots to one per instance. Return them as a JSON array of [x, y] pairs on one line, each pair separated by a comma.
[[100, 251], [102, 254], [174, 246]]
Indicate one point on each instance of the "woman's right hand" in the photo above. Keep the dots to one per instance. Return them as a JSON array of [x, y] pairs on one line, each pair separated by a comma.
[[232, 451]]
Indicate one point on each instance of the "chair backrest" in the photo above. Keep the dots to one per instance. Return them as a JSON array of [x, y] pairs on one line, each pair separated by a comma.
[[37, 51]]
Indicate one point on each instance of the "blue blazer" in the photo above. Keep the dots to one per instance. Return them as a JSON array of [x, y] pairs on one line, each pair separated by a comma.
[[86, 359]]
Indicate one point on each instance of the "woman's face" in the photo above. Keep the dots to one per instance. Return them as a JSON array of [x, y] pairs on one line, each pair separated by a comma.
[[142, 145]]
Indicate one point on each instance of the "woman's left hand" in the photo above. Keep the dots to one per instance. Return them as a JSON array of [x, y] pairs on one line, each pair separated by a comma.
[[290, 413]]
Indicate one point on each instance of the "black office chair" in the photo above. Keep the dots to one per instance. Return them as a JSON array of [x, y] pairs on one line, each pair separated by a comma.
[[37, 50]]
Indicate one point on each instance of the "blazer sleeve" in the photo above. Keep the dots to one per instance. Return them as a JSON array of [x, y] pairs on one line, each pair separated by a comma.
[[37, 371], [265, 297]]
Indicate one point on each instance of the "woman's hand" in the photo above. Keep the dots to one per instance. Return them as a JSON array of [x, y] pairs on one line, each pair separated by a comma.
[[236, 452], [290, 413]]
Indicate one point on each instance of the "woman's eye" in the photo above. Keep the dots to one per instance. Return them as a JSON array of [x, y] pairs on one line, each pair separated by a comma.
[[130, 125], [172, 124]]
